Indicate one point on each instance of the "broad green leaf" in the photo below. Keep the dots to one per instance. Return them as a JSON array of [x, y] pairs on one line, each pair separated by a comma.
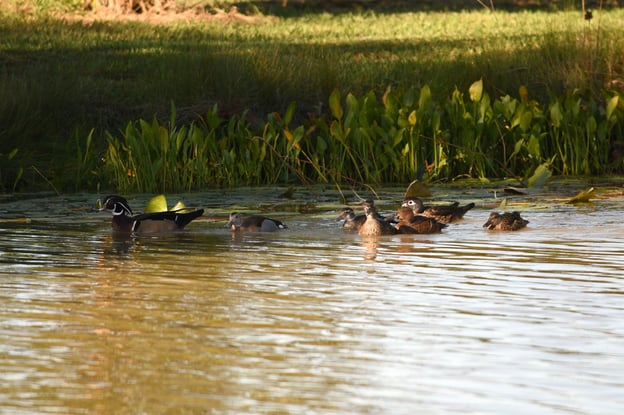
[[612, 105], [523, 91], [526, 120], [517, 148], [540, 175], [336, 131], [403, 122], [156, 204], [476, 91], [321, 145], [556, 115], [290, 111], [507, 107], [412, 118], [334, 104], [425, 96], [534, 147]]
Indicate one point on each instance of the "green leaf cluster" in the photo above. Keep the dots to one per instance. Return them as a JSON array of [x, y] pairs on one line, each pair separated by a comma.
[[400, 136]]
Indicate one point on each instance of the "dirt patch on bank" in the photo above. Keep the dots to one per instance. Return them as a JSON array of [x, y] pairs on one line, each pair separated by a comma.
[[160, 17]]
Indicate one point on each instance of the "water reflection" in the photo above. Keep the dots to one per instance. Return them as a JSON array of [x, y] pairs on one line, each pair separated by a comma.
[[312, 320]]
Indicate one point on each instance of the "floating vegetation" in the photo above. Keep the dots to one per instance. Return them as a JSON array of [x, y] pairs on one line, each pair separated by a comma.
[[584, 196]]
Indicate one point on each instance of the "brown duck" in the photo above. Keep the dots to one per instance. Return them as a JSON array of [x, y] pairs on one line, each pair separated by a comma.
[[408, 222], [374, 225], [443, 213], [352, 222], [510, 221]]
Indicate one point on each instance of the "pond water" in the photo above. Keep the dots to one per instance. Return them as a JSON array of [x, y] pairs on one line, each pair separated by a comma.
[[311, 320]]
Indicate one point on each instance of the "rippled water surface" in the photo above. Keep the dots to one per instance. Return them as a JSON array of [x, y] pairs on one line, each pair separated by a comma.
[[311, 320]]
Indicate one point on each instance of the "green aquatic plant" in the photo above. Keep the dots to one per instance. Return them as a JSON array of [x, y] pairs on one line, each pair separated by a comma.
[[405, 134], [151, 156], [579, 134]]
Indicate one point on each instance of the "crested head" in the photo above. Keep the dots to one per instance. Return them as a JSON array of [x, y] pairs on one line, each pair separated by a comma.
[[235, 220], [369, 207], [368, 203], [346, 213], [413, 203], [117, 205], [404, 214]]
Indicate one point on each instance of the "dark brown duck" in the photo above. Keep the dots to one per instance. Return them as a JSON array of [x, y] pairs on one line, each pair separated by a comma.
[[408, 222], [442, 213], [352, 222], [509, 221]]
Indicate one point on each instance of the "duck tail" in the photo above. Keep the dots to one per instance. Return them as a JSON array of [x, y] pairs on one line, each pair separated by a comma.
[[183, 219], [467, 207]]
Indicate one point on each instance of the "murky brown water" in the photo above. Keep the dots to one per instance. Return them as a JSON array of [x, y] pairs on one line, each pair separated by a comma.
[[311, 320]]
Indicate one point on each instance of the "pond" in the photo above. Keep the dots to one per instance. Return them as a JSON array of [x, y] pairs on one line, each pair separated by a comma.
[[311, 320]]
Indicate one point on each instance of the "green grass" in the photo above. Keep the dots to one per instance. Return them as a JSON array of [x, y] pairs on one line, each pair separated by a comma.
[[61, 79]]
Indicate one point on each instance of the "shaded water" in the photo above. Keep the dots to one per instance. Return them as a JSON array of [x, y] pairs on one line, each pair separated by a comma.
[[311, 320]]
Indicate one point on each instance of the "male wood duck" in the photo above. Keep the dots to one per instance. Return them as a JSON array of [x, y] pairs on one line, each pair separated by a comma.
[[509, 221], [352, 222], [156, 222], [374, 226], [254, 223], [408, 222], [443, 213]]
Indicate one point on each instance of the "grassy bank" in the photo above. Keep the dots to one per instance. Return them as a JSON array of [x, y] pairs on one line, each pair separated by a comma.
[[61, 79]]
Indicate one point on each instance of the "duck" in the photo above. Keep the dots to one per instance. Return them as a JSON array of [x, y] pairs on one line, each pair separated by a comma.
[[509, 221], [443, 213], [410, 223], [373, 225], [254, 223], [156, 222], [352, 222]]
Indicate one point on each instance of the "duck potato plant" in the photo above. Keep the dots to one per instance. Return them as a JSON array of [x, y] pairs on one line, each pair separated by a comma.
[[401, 135]]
